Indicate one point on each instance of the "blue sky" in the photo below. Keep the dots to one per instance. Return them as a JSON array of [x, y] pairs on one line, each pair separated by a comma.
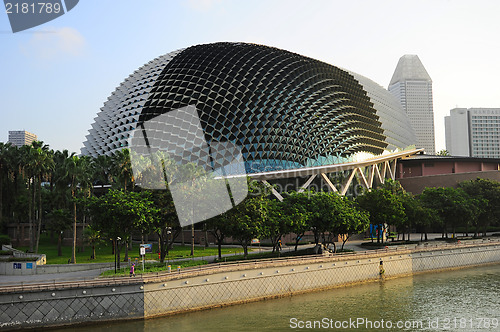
[[55, 77]]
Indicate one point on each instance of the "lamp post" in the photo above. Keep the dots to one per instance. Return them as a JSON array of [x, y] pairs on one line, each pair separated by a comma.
[[116, 247]]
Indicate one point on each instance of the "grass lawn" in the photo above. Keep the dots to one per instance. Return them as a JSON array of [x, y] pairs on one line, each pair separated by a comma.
[[103, 252]]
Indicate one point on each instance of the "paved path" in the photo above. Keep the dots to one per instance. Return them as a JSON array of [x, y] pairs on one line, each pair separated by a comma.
[[92, 274]]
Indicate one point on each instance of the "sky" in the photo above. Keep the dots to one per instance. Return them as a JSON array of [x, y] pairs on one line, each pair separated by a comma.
[[54, 78]]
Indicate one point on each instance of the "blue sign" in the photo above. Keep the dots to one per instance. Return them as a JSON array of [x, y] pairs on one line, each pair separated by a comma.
[[29, 265], [18, 266]]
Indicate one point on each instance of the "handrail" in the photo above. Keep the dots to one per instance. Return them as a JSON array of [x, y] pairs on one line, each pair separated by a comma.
[[238, 265]]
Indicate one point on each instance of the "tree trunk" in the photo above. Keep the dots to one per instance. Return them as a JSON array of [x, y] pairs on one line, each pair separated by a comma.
[[59, 243], [245, 250], [1, 195], [192, 239], [30, 233], [73, 252], [125, 259], [118, 248], [39, 213], [93, 252], [83, 228]]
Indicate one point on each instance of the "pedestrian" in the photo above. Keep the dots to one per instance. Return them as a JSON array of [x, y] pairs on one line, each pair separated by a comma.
[[132, 270]]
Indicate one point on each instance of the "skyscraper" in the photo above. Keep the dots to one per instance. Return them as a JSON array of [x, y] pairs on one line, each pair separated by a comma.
[[473, 132], [412, 86], [21, 137]]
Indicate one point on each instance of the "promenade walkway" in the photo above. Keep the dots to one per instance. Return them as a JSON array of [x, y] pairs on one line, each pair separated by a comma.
[[93, 274]]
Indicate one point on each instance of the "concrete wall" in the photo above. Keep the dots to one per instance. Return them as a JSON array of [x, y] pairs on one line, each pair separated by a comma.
[[70, 306], [227, 284]]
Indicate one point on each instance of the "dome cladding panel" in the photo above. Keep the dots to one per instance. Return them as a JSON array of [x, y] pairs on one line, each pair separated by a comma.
[[282, 109]]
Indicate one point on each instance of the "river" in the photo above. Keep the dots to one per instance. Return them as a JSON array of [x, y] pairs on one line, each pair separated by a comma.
[[460, 300]]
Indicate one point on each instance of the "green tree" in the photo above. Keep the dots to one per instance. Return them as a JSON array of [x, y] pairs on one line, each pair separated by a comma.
[[122, 168], [42, 163], [384, 208], [488, 192], [59, 220], [248, 216], [454, 207], [298, 211], [276, 224], [219, 226], [117, 213], [93, 236]]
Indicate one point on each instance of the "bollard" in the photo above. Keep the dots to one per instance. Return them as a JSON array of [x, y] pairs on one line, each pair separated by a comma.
[[169, 268], [179, 269]]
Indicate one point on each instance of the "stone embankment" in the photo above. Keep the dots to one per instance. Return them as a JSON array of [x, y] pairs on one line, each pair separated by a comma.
[[65, 303]]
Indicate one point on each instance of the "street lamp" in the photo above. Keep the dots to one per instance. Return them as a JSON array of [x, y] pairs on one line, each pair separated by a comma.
[[116, 247]]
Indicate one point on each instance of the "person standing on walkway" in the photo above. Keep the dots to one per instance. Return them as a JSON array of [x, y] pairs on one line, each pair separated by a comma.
[[132, 270]]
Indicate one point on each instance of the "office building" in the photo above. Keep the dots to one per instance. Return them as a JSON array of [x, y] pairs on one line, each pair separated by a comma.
[[21, 137], [412, 86], [473, 132]]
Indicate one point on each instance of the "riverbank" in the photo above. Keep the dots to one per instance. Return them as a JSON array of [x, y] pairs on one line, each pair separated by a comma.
[[224, 284]]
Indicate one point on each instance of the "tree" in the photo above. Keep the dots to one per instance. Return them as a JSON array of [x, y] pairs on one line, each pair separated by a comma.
[[42, 163], [5, 166], [94, 237], [166, 225], [248, 216], [276, 224], [77, 174], [122, 168], [219, 226], [487, 191], [117, 213], [384, 208], [454, 206], [443, 153], [297, 209], [350, 220], [59, 220]]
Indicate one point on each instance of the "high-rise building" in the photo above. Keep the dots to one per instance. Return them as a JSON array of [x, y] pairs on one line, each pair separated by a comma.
[[473, 132], [21, 137], [412, 86]]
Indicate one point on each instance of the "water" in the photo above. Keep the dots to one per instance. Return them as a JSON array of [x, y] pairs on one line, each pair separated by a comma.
[[462, 300]]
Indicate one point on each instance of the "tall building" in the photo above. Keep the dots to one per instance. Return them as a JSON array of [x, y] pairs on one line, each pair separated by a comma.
[[473, 132], [21, 137], [412, 86]]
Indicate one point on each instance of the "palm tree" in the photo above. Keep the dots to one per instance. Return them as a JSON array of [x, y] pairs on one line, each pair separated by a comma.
[[5, 166], [122, 168], [42, 164], [93, 237], [26, 162]]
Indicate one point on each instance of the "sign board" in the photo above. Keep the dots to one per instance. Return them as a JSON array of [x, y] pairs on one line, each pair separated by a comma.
[[29, 265], [143, 251], [148, 247]]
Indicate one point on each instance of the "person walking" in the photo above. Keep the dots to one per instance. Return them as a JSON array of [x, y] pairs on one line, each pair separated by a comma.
[[132, 270]]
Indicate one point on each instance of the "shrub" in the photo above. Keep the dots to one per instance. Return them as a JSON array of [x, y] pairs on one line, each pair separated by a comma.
[[4, 239]]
